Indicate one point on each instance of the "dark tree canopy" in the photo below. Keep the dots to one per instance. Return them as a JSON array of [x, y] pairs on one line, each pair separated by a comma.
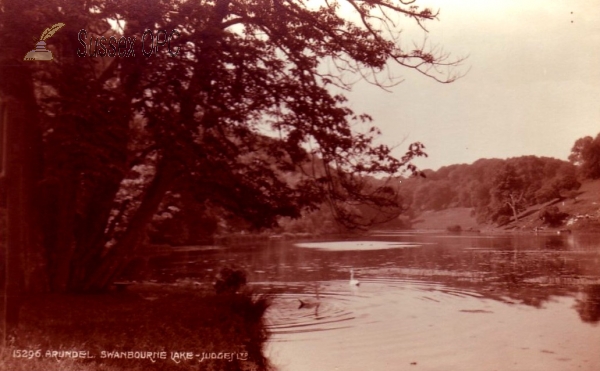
[[586, 155], [243, 118]]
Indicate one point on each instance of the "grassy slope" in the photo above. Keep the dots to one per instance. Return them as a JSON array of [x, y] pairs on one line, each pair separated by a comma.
[[587, 204]]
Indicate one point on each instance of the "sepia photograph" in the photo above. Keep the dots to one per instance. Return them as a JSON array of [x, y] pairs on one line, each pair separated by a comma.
[[299, 185]]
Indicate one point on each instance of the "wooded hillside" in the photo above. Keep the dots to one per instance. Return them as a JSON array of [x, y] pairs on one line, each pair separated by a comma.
[[497, 190]]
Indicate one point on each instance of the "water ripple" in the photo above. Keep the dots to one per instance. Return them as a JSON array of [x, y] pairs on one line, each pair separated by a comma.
[[334, 305]]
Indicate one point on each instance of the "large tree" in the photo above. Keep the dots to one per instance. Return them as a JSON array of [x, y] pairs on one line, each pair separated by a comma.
[[585, 154], [510, 189], [249, 97]]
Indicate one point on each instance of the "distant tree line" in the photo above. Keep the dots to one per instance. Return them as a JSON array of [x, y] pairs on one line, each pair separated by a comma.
[[497, 190]]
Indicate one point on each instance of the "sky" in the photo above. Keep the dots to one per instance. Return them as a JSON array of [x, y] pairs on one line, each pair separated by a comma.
[[532, 83]]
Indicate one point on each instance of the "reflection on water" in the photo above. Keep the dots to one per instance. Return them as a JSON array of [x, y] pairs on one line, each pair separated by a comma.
[[436, 302], [395, 324], [588, 304], [357, 245]]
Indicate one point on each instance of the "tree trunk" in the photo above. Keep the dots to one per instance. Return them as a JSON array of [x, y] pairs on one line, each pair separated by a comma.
[[25, 268], [515, 214], [513, 203], [89, 238], [60, 198], [23, 176], [120, 255], [25, 263]]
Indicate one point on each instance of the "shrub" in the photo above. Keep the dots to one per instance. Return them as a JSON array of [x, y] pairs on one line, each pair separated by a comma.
[[454, 228], [552, 216], [230, 280]]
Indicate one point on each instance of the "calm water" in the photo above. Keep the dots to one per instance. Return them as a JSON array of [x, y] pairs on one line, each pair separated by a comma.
[[425, 301]]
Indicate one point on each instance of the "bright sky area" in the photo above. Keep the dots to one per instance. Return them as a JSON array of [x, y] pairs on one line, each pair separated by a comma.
[[532, 87]]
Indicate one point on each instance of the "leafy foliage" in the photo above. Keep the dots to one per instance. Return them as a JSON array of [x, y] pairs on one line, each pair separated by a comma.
[[455, 228], [495, 189], [585, 154], [230, 280], [552, 216], [243, 118], [509, 190]]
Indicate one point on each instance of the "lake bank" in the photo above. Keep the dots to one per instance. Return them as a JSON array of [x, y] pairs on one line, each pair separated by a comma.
[[582, 215], [147, 326]]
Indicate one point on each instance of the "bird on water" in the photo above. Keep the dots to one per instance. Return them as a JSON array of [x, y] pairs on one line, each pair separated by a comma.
[[310, 302]]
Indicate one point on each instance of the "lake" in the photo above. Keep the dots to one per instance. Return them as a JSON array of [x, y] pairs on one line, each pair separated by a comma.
[[426, 301]]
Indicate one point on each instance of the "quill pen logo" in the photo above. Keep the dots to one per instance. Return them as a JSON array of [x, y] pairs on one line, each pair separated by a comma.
[[40, 53]]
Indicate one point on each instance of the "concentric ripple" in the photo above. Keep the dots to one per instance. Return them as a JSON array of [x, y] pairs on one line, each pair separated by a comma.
[[304, 309], [392, 323]]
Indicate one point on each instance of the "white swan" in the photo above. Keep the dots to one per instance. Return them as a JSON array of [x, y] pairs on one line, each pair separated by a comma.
[[353, 282]]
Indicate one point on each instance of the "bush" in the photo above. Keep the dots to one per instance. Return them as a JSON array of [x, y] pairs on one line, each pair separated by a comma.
[[552, 216], [230, 280], [454, 228]]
